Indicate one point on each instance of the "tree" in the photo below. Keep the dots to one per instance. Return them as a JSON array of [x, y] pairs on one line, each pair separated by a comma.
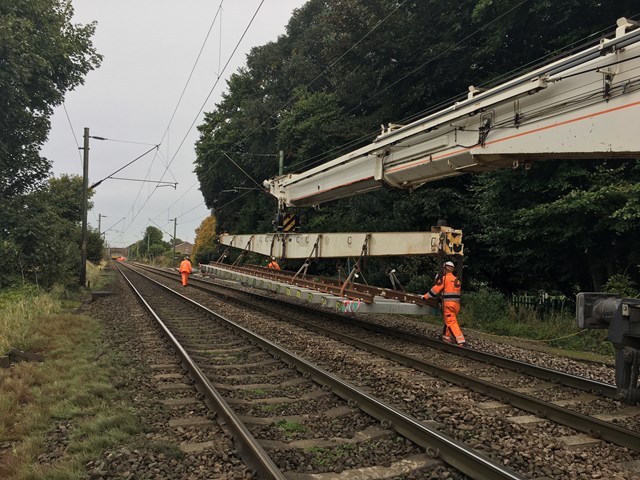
[[560, 225], [308, 126], [44, 55], [95, 246], [152, 243], [205, 243], [41, 235], [325, 87]]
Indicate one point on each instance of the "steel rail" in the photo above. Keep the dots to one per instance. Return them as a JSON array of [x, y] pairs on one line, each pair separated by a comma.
[[583, 423], [544, 373], [451, 451], [247, 446], [286, 277], [331, 285], [566, 379], [556, 376]]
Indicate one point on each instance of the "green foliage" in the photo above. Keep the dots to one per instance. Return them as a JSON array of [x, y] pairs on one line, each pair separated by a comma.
[[487, 310], [75, 383], [20, 309], [95, 246], [560, 224], [486, 306], [622, 285], [325, 87], [44, 55], [328, 456], [152, 244], [291, 428], [308, 126], [41, 235]]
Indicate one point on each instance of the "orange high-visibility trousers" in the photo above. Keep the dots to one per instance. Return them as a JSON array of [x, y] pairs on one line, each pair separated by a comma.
[[452, 329], [185, 278]]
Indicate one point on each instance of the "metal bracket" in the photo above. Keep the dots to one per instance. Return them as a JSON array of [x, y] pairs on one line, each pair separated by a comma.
[[395, 282], [307, 262], [627, 372], [243, 253], [224, 254], [356, 267]]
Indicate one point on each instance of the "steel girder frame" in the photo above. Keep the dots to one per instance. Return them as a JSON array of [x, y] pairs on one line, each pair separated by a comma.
[[341, 245]]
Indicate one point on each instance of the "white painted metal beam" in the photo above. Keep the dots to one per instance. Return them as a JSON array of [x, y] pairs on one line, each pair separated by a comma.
[[581, 106], [340, 245]]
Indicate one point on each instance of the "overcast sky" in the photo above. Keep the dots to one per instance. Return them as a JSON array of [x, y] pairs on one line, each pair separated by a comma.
[[149, 49]]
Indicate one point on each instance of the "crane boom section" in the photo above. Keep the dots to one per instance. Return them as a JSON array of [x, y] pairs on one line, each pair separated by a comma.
[[581, 106]]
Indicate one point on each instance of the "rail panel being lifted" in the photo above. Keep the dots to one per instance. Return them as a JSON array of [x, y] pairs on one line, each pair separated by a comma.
[[340, 245], [581, 106]]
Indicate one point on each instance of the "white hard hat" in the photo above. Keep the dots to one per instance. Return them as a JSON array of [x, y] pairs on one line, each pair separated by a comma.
[[449, 264]]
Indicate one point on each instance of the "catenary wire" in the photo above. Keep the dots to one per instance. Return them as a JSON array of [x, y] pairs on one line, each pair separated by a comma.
[[75, 139], [167, 164], [204, 103], [184, 89], [394, 83], [293, 97], [334, 62]]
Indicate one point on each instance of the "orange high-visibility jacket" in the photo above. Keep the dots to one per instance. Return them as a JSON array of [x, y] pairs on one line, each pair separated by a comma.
[[449, 288], [185, 266], [273, 264]]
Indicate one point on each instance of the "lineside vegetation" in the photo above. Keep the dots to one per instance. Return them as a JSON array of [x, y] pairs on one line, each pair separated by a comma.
[[67, 389]]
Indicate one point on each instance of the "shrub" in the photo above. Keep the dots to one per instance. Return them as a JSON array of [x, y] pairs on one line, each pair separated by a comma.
[[621, 284]]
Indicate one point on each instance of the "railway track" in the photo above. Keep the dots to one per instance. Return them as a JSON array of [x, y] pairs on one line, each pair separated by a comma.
[[266, 396], [551, 397]]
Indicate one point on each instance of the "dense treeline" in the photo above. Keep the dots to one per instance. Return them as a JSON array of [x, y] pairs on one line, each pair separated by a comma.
[[43, 55], [346, 66]]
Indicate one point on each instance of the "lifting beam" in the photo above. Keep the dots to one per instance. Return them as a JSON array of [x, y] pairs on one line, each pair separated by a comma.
[[341, 245]]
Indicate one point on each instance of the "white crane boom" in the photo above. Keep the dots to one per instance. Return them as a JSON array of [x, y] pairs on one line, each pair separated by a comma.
[[585, 105]]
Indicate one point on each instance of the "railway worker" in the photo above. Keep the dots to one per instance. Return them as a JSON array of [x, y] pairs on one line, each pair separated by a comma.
[[273, 264], [447, 288], [185, 270]]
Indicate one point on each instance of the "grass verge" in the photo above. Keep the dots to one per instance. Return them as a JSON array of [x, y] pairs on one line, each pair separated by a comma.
[[57, 414], [491, 314]]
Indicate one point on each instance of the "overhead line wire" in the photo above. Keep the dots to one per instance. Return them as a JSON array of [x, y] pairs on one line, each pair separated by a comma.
[[326, 154], [75, 139], [525, 67], [293, 97], [420, 67], [217, 81], [184, 89], [375, 27], [129, 141], [203, 105], [122, 168]]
